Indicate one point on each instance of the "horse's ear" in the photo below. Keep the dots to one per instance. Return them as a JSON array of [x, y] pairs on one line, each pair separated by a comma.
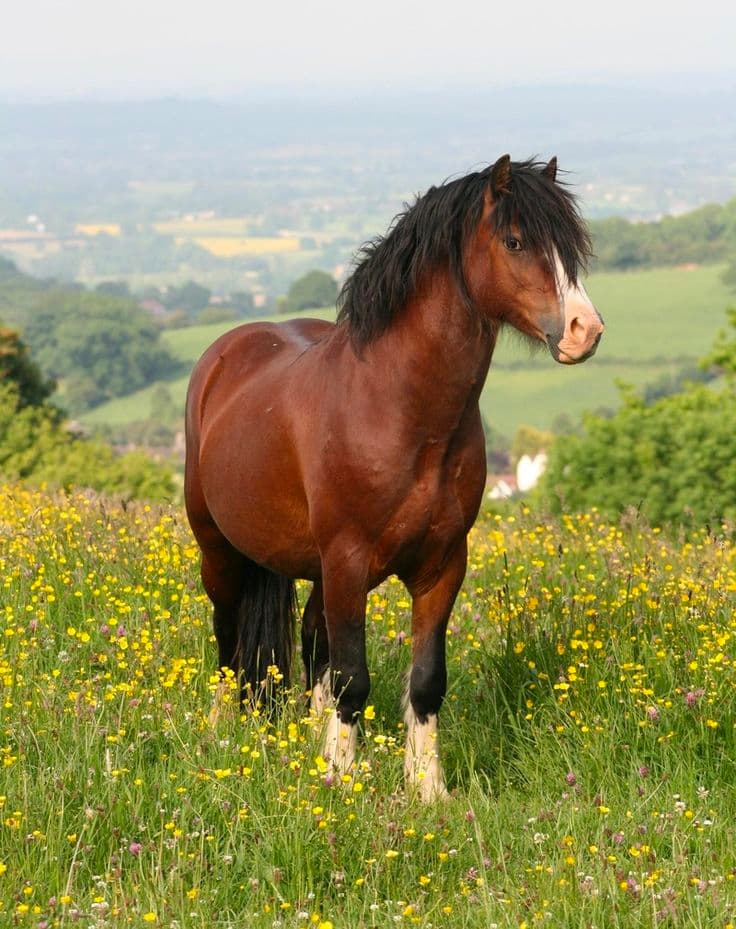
[[550, 169], [501, 176]]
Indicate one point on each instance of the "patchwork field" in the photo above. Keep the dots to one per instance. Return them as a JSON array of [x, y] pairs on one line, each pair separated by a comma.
[[588, 738], [199, 226], [226, 237]]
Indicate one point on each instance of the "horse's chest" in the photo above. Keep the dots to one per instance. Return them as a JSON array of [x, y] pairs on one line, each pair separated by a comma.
[[436, 512]]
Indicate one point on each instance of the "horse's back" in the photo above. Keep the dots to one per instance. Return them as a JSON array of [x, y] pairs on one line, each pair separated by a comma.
[[251, 358]]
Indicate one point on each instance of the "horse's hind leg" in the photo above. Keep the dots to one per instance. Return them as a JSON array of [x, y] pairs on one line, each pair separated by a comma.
[[428, 679], [315, 649], [222, 578], [222, 567]]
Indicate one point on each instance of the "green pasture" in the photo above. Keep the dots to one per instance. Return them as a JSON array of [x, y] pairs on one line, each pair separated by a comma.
[[656, 320], [660, 314]]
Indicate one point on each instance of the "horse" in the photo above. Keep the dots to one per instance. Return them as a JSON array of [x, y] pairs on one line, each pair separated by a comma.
[[342, 453]]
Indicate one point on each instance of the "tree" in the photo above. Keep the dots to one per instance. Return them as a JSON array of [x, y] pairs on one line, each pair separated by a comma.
[[530, 441], [113, 288], [216, 314], [313, 290], [16, 366], [729, 276], [190, 297], [675, 460], [723, 354], [707, 234], [35, 446], [163, 407], [497, 448], [242, 303], [96, 345]]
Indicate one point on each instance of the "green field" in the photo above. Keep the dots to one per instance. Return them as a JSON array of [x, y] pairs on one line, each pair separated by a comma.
[[588, 739], [655, 321]]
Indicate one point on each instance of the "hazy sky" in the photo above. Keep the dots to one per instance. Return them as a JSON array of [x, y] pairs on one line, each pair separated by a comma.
[[133, 48]]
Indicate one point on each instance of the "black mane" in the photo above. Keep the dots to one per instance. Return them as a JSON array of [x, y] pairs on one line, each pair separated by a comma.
[[434, 230]]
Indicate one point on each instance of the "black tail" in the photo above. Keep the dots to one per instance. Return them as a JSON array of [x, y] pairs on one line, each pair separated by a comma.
[[265, 630]]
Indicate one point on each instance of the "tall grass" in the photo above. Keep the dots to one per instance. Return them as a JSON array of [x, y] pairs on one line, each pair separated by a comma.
[[588, 740]]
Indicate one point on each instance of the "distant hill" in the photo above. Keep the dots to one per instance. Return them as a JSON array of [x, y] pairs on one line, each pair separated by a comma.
[[146, 191], [705, 235]]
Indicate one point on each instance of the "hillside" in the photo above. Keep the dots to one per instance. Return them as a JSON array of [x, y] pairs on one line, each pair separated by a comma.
[[657, 320], [707, 234]]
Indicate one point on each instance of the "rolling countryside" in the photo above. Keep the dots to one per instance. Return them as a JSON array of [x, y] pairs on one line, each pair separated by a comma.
[[656, 321]]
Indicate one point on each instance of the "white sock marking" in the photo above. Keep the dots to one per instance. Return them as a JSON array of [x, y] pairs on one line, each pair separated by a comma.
[[422, 766], [340, 742], [340, 739], [321, 695]]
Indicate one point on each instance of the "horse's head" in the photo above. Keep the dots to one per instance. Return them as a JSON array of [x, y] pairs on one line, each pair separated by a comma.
[[537, 242]]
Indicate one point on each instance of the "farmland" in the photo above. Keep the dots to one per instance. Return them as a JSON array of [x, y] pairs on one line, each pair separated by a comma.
[[227, 246], [657, 320], [588, 738]]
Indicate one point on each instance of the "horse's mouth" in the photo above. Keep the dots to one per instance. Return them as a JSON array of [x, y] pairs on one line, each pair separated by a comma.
[[565, 358]]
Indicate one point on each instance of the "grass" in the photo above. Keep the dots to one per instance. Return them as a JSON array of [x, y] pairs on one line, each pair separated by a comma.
[[588, 739], [660, 314], [656, 320]]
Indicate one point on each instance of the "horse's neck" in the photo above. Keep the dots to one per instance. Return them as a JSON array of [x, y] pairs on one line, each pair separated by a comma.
[[435, 356]]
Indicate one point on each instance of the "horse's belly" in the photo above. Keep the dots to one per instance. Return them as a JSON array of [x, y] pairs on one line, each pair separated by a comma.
[[259, 507]]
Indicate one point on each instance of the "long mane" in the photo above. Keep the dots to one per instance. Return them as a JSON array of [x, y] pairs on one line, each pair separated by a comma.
[[434, 230]]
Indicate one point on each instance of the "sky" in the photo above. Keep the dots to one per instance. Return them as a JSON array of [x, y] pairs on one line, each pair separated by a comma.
[[59, 49]]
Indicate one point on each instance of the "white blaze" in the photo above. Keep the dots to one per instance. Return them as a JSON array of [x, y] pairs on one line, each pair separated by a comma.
[[574, 296]]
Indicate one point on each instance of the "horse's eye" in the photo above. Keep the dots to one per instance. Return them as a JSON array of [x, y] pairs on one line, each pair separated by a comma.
[[512, 243]]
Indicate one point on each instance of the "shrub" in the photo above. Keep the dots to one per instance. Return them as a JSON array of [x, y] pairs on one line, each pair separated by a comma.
[[674, 459]]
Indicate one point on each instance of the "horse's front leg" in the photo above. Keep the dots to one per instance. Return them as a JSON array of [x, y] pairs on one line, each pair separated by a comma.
[[428, 679], [347, 679], [315, 649]]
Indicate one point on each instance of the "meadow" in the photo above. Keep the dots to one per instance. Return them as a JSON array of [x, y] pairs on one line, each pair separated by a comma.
[[656, 321], [588, 739]]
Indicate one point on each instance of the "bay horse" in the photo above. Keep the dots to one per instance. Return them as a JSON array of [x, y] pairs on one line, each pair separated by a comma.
[[344, 453]]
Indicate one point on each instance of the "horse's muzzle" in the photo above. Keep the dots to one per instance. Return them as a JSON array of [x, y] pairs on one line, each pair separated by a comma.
[[579, 341]]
